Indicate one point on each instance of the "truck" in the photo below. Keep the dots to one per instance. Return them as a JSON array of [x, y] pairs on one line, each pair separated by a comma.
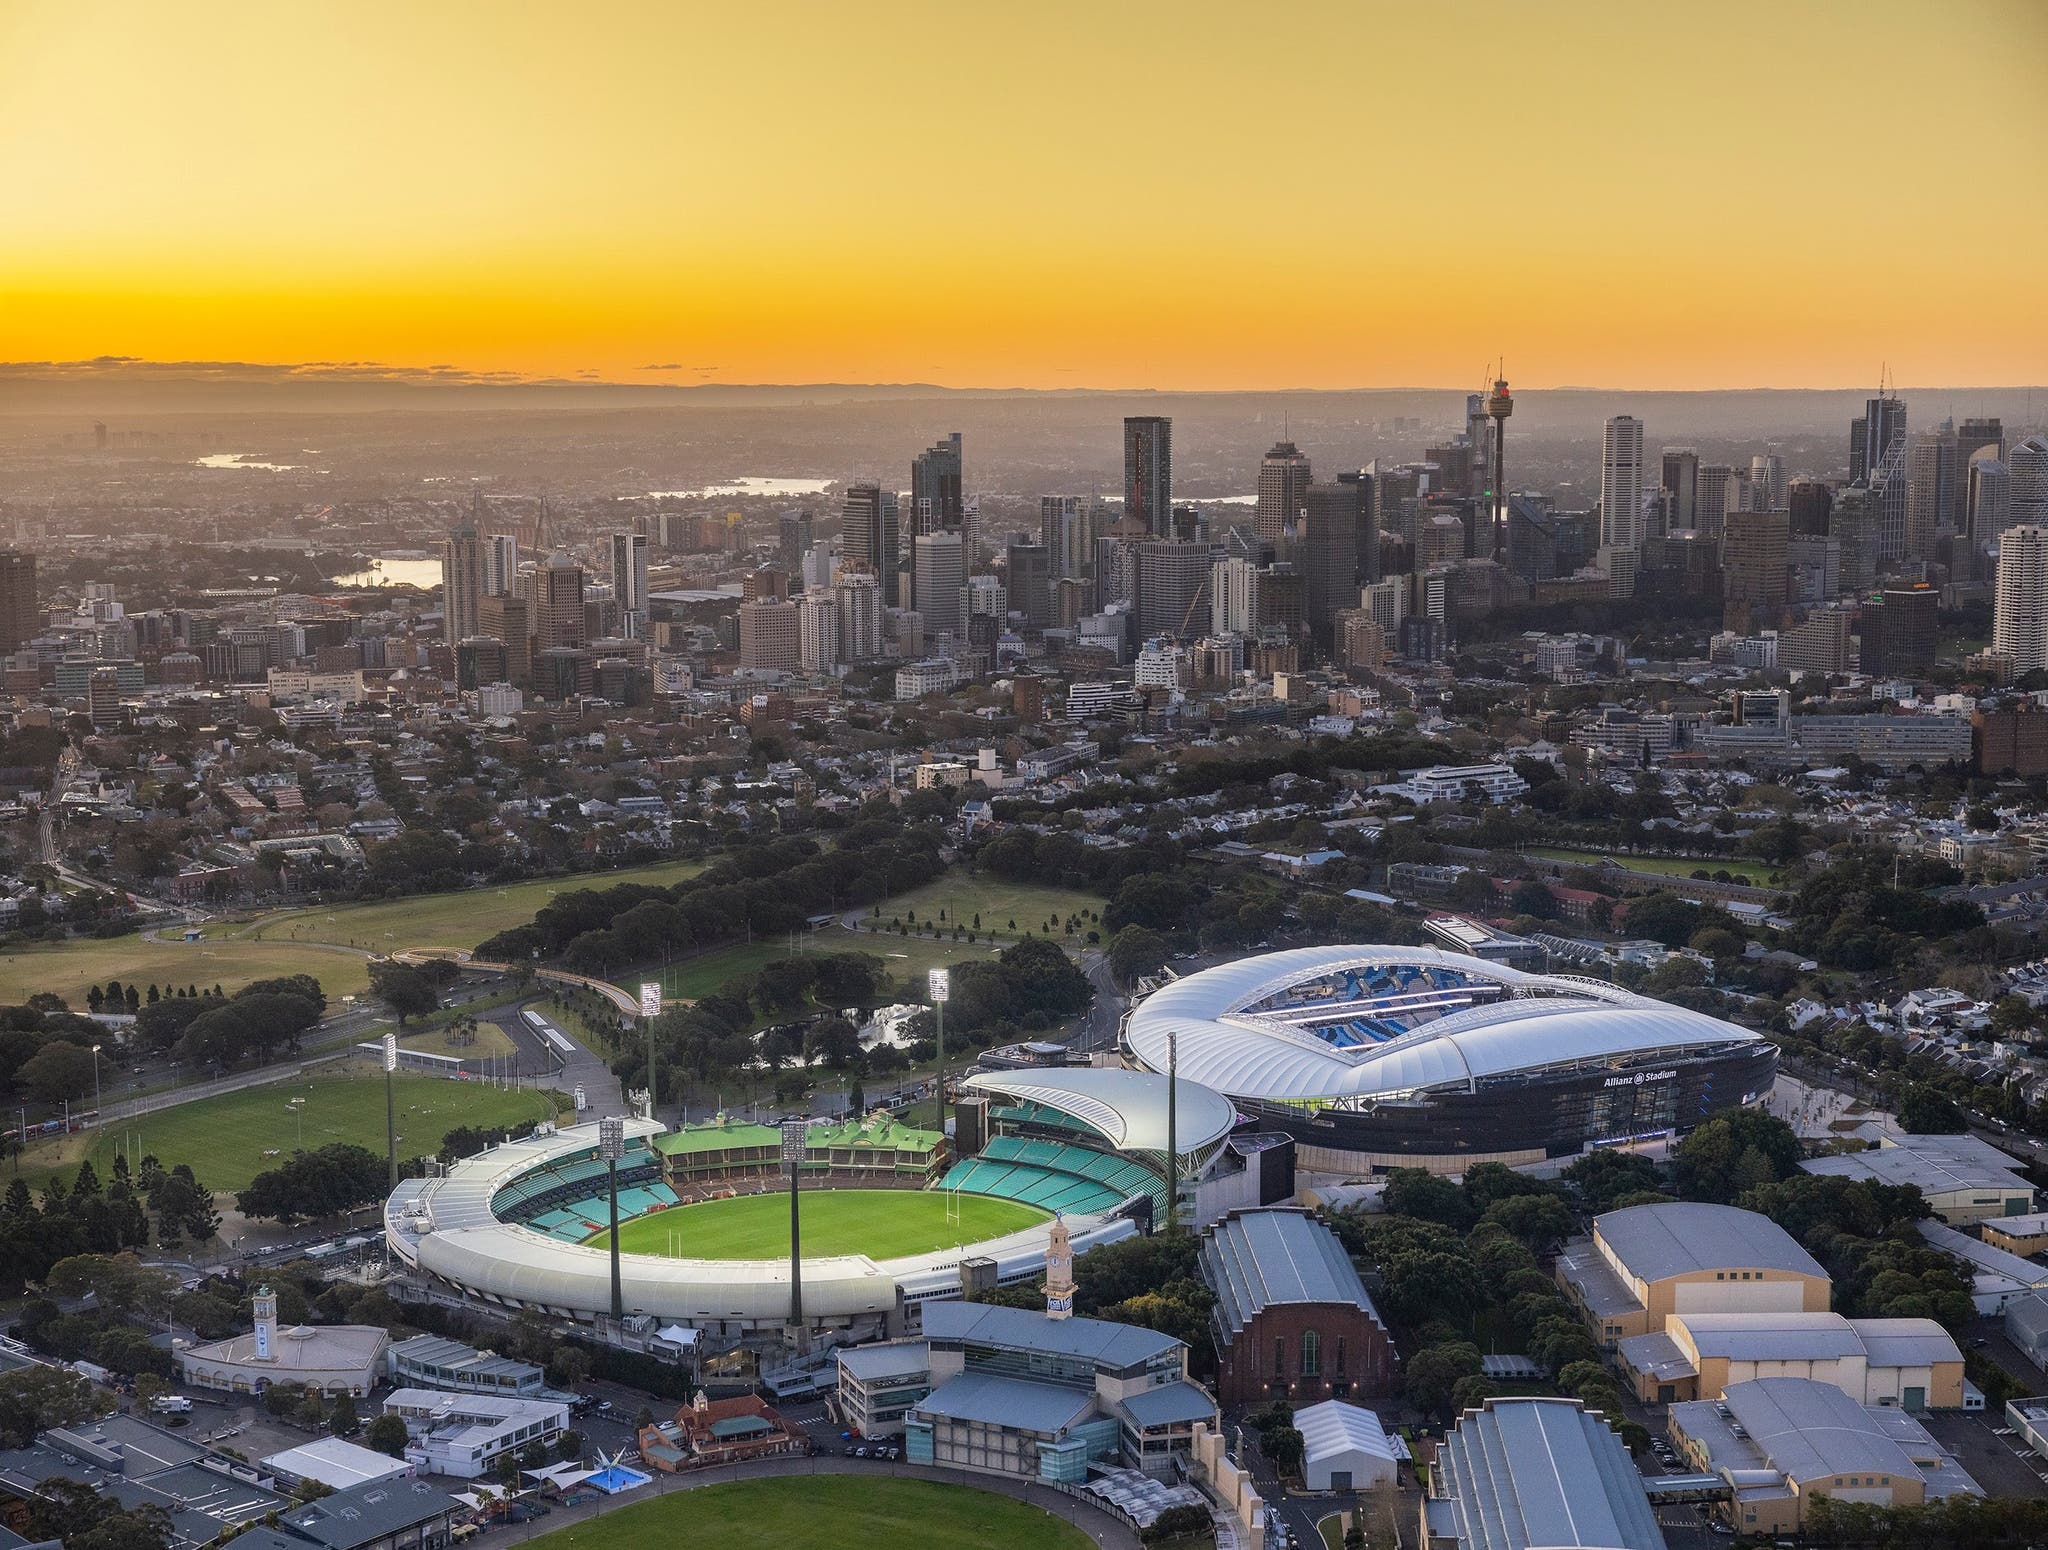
[[170, 1404]]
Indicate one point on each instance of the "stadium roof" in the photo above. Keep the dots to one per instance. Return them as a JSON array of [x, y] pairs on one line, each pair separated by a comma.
[[1525, 1473], [1252, 1260], [1682, 1237], [445, 1227], [1546, 1019], [1126, 1108], [1023, 1329], [729, 1135]]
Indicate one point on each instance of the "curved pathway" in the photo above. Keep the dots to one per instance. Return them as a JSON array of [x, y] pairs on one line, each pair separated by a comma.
[[1106, 1531]]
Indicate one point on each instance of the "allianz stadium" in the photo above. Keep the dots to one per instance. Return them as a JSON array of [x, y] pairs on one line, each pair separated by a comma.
[[1388, 1056]]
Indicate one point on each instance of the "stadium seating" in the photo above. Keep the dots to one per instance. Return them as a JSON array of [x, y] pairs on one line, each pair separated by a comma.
[[1053, 1176]]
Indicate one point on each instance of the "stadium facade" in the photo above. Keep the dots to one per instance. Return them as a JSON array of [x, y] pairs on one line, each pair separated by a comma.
[[1376, 1057]]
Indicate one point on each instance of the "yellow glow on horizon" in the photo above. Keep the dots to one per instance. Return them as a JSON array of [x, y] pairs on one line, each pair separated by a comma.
[[1108, 194]]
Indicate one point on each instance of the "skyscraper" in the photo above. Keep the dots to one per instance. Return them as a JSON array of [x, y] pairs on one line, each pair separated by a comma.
[[940, 582], [1888, 485], [793, 531], [1680, 481], [2019, 620], [1766, 482], [1233, 597], [503, 617], [629, 578], [501, 564], [868, 536], [1809, 501], [1930, 487], [1988, 504], [1284, 479], [1172, 578], [1713, 498], [1972, 437], [1753, 576], [555, 604], [859, 599], [935, 483], [1027, 574], [1148, 472], [19, 622], [1870, 437], [1621, 499], [2026, 469], [1330, 553], [462, 583], [1063, 529]]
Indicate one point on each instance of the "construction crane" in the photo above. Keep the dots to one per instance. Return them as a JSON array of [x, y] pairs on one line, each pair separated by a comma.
[[1189, 617]]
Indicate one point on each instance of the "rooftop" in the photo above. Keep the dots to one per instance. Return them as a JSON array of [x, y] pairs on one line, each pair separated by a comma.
[[1684, 1237], [1254, 1260], [1011, 1403], [1934, 1164], [1126, 1108], [1335, 1427], [1543, 1474], [335, 1462], [1805, 1430], [1022, 1329], [896, 1359]]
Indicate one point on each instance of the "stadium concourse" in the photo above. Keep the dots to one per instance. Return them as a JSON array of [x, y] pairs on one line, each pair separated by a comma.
[[1373, 1057], [525, 1223]]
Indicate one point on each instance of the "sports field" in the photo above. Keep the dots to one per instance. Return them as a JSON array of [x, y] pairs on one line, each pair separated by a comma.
[[880, 1223], [68, 968], [904, 957], [1758, 874], [226, 1139], [867, 1510], [1010, 910]]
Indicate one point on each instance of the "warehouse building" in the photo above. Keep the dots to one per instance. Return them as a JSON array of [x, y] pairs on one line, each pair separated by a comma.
[[1912, 1363], [1521, 1473], [1964, 1179]]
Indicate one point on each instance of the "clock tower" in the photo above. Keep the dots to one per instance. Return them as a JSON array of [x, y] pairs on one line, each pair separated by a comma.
[[1059, 1272]]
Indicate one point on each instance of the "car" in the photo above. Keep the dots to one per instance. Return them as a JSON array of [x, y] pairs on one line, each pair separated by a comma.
[[1979, 1341], [859, 1452], [604, 1407], [1718, 1527]]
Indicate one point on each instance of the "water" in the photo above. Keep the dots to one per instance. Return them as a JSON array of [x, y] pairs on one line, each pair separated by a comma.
[[772, 488], [242, 460], [394, 571]]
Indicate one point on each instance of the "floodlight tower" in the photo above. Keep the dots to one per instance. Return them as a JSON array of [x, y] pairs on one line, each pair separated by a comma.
[[795, 1136], [611, 1146], [940, 984], [650, 1009], [391, 1107], [1499, 405], [1172, 1132]]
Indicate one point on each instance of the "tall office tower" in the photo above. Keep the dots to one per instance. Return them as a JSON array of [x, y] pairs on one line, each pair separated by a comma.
[[1900, 630], [2019, 619], [1621, 499], [1330, 553], [1753, 575], [1148, 472], [1172, 582], [629, 579], [1283, 490], [868, 538], [1871, 437], [1808, 502], [1888, 485], [1930, 487], [2026, 472], [859, 596], [1988, 503], [817, 632], [1063, 529], [793, 540], [769, 584], [769, 635], [462, 582], [1767, 482], [1854, 524], [19, 622], [1368, 522], [935, 498], [1233, 596], [1680, 482], [504, 617], [1715, 495], [555, 604], [1972, 437], [1483, 443], [940, 582], [501, 564], [1028, 576]]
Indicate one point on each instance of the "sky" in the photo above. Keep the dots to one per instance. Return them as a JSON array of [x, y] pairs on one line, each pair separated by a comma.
[[1118, 193]]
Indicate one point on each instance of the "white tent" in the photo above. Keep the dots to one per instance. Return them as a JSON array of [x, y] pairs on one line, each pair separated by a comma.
[[1345, 1448]]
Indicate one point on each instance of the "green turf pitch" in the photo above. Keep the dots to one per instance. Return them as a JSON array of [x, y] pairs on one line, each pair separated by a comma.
[[880, 1223], [853, 1510]]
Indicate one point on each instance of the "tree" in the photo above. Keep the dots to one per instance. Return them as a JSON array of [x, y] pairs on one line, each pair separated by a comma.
[[403, 988], [33, 1399], [1533, 898], [82, 1518], [387, 1434], [344, 1421], [120, 1283], [1430, 1196], [335, 1178], [1136, 951], [1715, 1164], [57, 1073], [1538, 1220], [1435, 1371], [1927, 1111], [832, 1042]]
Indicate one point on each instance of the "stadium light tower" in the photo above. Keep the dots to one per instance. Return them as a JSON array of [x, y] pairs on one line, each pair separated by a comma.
[[611, 1146], [391, 1106], [795, 1135], [1172, 1132], [941, 986], [1500, 403], [650, 1009]]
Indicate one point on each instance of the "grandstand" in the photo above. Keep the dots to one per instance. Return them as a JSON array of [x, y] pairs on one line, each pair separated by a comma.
[[1055, 1176], [570, 1199], [724, 1155]]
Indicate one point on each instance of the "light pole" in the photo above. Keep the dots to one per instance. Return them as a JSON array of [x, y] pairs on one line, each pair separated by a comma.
[[611, 1146], [390, 1106], [795, 1136], [650, 1008], [96, 1084], [941, 985]]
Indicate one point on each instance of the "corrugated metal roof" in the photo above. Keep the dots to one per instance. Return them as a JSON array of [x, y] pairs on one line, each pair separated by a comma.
[[1011, 1403], [1171, 1404], [1808, 1429], [1529, 1473], [1096, 1340], [1680, 1237], [1252, 1260], [1334, 1427]]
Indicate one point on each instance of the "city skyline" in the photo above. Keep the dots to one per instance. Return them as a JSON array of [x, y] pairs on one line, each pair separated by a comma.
[[525, 193]]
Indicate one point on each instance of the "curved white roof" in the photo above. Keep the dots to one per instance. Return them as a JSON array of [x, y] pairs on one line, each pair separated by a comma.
[[1126, 1108], [444, 1226], [1542, 1020]]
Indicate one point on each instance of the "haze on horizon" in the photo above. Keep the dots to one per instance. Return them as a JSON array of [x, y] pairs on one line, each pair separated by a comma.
[[1184, 196]]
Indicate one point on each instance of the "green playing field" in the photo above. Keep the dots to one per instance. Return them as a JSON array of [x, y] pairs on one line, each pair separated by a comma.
[[863, 1510], [880, 1223]]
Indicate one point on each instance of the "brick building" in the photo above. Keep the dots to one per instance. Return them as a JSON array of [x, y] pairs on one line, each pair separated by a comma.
[[2013, 741], [1292, 1319]]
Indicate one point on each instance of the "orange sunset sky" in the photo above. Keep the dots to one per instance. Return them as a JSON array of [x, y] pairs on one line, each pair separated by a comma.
[[1183, 195]]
